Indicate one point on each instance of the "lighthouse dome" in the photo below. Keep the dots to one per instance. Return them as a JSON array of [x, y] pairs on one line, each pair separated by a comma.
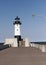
[[17, 21]]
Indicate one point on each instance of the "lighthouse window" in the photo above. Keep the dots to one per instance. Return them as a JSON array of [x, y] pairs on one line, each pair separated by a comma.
[[17, 29]]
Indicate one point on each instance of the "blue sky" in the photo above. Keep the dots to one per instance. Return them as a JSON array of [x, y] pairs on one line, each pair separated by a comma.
[[32, 27]]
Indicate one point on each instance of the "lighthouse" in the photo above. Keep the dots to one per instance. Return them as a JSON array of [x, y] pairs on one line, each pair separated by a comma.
[[17, 41], [17, 30]]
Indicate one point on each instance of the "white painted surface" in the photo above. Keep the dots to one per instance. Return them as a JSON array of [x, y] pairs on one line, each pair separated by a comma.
[[26, 42], [43, 48], [12, 42], [39, 46], [17, 29]]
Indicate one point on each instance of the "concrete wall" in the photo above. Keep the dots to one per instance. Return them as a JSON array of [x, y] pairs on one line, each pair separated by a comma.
[[39, 46], [12, 42], [21, 43], [26, 42]]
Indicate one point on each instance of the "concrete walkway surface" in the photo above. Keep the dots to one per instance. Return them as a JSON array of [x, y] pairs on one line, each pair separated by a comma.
[[22, 56]]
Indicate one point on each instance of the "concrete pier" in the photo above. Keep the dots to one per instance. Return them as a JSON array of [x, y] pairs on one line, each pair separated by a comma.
[[22, 56], [42, 47]]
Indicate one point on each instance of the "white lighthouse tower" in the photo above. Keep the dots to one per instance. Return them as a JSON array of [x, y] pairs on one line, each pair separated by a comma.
[[17, 40], [17, 32]]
